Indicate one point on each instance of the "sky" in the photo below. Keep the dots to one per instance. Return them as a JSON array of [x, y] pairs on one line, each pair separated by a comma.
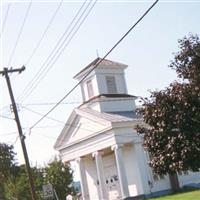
[[32, 35]]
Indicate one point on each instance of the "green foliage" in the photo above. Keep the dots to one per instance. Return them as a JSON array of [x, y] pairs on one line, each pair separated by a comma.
[[173, 115], [60, 176], [16, 186], [7, 160], [7, 163], [187, 60]]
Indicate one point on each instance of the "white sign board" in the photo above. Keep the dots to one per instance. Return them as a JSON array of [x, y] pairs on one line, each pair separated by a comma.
[[47, 190]]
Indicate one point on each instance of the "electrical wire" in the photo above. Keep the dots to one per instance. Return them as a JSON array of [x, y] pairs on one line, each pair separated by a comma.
[[10, 133], [96, 65], [42, 68], [38, 113], [47, 68], [50, 65], [66, 124], [19, 34], [2, 116], [50, 103], [27, 90], [16, 139], [5, 19], [46, 136], [44, 33]]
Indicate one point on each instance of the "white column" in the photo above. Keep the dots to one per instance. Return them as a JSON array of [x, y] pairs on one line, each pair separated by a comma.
[[83, 181], [121, 171], [142, 165], [100, 175]]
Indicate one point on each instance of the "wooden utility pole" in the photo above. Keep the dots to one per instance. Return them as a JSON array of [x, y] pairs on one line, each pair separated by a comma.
[[21, 135]]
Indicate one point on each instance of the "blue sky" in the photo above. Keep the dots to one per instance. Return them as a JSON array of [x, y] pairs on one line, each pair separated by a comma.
[[147, 50]]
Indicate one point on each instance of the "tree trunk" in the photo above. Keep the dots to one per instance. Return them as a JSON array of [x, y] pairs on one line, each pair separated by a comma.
[[174, 182]]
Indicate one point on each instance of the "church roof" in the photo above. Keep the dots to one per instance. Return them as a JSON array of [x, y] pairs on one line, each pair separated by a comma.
[[109, 96], [125, 116], [104, 62]]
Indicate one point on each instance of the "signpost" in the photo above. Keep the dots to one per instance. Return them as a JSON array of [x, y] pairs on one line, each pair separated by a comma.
[[47, 191]]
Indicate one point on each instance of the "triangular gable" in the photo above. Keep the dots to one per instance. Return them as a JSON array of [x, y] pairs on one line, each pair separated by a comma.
[[85, 122], [83, 128], [80, 125]]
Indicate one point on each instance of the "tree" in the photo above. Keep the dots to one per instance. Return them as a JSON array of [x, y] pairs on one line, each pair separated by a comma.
[[7, 163], [60, 176], [7, 160], [172, 115], [14, 183], [17, 185]]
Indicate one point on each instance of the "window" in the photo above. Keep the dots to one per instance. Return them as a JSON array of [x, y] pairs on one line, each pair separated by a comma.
[[111, 85], [90, 88]]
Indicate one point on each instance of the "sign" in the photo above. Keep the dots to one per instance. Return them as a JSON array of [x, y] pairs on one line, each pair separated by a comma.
[[47, 191]]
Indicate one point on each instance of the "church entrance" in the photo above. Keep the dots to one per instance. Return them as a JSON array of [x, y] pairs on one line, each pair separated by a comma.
[[111, 178]]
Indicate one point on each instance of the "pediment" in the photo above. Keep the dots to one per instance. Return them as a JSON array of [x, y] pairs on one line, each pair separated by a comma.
[[80, 127]]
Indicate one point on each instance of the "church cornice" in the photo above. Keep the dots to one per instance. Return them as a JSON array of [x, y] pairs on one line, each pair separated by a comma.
[[108, 96], [104, 62]]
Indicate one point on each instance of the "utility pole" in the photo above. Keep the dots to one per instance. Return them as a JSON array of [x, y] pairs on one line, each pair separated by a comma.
[[21, 135]]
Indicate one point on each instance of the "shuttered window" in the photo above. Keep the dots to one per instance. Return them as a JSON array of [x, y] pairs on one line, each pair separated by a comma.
[[90, 89], [111, 85]]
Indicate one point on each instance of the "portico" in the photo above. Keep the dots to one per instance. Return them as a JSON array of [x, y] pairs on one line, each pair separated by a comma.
[[118, 179]]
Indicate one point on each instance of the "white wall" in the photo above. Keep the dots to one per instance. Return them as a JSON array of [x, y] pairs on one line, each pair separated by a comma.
[[192, 177], [117, 105], [110, 170], [142, 166], [132, 170], [119, 79], [91, 176], [84, 90]]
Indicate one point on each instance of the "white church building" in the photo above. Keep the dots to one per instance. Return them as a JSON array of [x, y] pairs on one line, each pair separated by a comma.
[[100, 136]]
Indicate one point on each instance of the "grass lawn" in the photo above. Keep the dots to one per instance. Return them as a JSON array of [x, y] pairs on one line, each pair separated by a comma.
[[195, 195]]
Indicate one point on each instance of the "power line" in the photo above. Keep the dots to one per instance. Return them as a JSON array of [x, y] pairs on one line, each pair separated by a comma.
[[40, 104], [5, 19], [38, 127], [62, 103], [16, 139], [19, 34], [10, 133], [50, 103], [45, 32], [42, 68], [29, 87], [46, 136], [61, 49], [51, 118], [96, 65], [2, 116], [66, 124], [50, 65]]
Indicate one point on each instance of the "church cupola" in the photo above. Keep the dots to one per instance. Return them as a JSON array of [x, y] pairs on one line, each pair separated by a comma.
[[107, 81]]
